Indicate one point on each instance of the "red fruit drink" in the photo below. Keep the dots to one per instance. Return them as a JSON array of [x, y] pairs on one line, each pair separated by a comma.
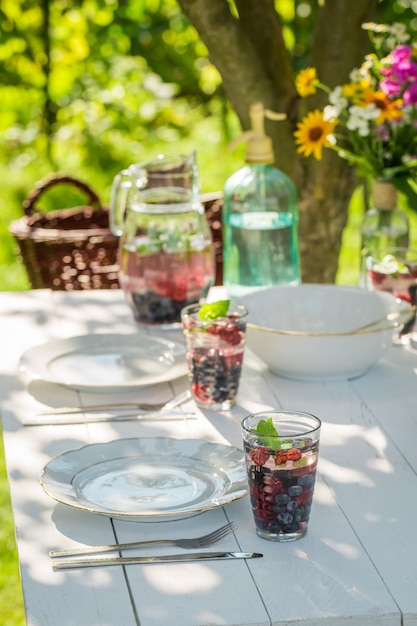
[[157, 286], [281, 472], [395, 275], [214, 355]]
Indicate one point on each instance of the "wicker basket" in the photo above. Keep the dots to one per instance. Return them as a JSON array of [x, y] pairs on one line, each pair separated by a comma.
[[68, 249], [73, 249], [213, 206]]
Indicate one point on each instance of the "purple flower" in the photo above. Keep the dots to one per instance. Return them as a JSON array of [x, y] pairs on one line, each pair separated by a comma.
[[410, 94], [382, 133]]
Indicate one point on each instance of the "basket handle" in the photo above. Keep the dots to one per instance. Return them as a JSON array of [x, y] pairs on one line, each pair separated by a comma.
[[30, 201]]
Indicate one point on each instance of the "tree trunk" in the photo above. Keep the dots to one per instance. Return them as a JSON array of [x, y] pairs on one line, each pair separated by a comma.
[[249, 51]]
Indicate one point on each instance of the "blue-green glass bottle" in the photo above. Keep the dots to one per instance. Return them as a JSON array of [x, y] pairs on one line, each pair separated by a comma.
[[260, 219]]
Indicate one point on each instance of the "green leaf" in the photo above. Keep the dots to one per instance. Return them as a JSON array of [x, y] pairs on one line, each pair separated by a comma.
[[213, 310], [267, 428], [404, 186]]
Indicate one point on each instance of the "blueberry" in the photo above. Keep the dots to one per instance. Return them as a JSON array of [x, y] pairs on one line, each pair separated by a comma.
[[292, 528], [306, 513], [262, 524], [306, 481], [295, 490], [282, 498], [280, 508], [285, 518], [274, 526], [292, 505]]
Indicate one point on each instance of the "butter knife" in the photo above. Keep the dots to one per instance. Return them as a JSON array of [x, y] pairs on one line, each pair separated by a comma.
[[62, 420], [168, 558]]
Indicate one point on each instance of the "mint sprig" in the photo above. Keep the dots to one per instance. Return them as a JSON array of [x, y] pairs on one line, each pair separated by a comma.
[[269, 434], [214, 310]]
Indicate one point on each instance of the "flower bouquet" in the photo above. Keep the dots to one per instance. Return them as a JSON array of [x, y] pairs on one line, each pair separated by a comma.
[[370, 121]]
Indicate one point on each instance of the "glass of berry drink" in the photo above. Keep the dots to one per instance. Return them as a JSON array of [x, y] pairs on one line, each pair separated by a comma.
[[395, 270], [281, 452], [214, 351]]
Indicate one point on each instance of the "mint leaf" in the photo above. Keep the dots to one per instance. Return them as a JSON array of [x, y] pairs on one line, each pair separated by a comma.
[[213, 310], [265, 428]]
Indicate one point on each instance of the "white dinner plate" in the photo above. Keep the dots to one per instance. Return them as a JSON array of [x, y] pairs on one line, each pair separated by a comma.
[[105, 362], [147, 479]]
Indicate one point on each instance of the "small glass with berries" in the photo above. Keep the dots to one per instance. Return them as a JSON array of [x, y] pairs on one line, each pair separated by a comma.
[[215, 341], [395, 270], [281, 453]]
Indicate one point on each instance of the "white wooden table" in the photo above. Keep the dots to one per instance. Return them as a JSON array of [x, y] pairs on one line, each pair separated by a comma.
[[357, 565]]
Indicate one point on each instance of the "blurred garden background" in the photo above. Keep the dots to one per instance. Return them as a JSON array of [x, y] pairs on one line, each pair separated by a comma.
[[88, 87]]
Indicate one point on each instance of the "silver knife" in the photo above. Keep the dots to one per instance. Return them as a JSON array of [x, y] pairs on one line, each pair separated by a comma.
[[55, 420], [168, 558]]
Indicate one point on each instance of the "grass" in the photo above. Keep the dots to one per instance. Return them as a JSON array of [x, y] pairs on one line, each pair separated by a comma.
[[11, 600]]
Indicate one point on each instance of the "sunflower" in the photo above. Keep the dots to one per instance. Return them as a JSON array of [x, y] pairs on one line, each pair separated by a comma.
[[306, 82], [388, 109], [314, 132]]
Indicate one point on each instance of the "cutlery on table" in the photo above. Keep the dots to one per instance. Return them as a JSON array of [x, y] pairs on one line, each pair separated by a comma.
[[62, 420], [140, 406], [168, 558], [189, 544], [87, 414]]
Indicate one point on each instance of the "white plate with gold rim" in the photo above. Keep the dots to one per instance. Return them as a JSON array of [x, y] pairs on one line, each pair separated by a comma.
[[147, 479], [105, 362]]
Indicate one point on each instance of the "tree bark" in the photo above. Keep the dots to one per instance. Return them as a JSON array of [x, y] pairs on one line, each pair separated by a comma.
[[249, 51]]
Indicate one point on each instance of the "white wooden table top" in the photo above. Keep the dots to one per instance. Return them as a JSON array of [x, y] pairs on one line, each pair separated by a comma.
[[357, 565]]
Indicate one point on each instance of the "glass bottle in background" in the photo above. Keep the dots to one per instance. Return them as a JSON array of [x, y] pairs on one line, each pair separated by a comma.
[[385, 225], [260, 218]]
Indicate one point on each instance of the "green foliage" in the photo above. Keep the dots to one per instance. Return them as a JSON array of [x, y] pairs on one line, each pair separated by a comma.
[[11, 601]]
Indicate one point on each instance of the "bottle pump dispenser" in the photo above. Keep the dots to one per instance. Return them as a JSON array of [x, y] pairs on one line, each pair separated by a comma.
[[260, 217]]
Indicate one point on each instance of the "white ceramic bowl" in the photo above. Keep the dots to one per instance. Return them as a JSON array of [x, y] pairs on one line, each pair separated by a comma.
[[307, 331]]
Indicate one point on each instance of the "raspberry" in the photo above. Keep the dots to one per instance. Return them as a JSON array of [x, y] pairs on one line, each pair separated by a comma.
[[230, 334], [259, 456], [214, 330], [281, 457], [264, 514], [294, 454], [273, 484], [200, 392]]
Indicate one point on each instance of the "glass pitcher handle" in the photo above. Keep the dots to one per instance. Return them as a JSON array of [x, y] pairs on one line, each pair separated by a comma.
[[122, 184]]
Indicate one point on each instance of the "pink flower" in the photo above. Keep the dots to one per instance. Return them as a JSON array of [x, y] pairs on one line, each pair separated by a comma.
[[410, 94], [400, 53], [390, 87], [401, 68]]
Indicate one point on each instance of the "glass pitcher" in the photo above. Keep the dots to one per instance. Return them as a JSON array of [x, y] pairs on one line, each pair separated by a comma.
[[165, 255]]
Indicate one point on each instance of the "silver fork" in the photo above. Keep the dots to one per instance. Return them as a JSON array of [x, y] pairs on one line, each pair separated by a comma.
[[188, 544]]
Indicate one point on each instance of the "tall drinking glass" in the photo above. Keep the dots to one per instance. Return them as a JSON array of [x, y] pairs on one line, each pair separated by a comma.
[[166, 255], [281, 452]]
